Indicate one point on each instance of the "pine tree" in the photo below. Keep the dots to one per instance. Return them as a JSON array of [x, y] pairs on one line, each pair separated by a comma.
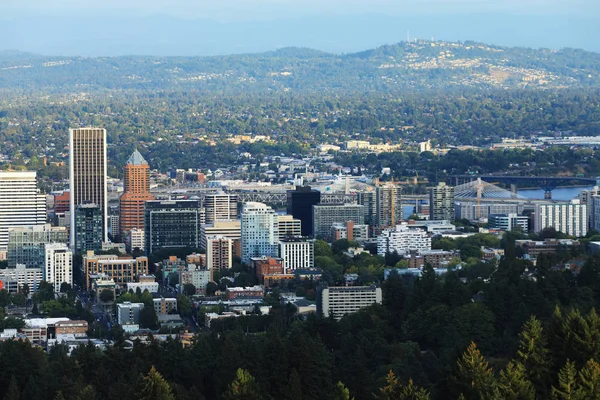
[[341, 392], [13, 392], [389, 391], [393, 390], [294, 390], [589, 379], [59, 396], [533, 354], [567, 383], [155, 387], [87, 393], [473, 377], [243, 387], [513, 383]]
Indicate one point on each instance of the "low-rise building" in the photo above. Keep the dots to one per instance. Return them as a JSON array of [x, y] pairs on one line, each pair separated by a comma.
[[128, 313], [508, 222], [165, 306], [151, 287], [77, 328], [253, 291], [534, 248], [297, 253], [197, 276], [403, 240], [350, 231], [12, 279], [337, 301], [120, 269], [267, 266]]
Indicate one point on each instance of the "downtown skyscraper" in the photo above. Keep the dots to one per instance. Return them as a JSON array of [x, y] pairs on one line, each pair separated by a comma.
[[136, 191], [87, 173]]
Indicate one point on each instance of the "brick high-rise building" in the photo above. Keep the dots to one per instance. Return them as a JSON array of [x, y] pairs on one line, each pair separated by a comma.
[[136, 191]]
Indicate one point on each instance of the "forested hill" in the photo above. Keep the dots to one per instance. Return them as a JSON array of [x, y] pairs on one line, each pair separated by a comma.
[[417, 65]]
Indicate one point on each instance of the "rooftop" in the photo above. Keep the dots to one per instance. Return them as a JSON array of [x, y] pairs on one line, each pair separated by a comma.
[[136, 159]]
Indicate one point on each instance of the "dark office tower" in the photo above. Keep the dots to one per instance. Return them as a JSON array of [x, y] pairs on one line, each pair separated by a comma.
[[300, 202], [88, 228], [441, 202], [368, 199], [87, 172], [173, 224]]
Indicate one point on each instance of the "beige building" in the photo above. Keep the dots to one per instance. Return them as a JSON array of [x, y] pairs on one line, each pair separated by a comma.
[[219, 252], [120, 269]]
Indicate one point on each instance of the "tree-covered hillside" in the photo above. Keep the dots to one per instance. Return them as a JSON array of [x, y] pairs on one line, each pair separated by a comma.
[[415, 65]]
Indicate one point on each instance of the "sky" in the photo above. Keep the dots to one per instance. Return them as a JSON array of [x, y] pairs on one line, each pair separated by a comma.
[[230, 10], [210, 27]]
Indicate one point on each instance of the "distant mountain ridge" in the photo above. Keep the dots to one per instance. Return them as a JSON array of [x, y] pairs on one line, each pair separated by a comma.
[[421, 64]]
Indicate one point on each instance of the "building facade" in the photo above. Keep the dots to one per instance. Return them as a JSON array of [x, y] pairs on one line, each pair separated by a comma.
[[136, 191], [389, 210], [164, 306], [229, 229], [21, 204], [88, 228], [13, 279], [300, 203], [120, 269], [219, 252], [259, 231], [135, 239], [473, 211], [402, 240], [289, 226], [343, 300], [173, 224], [297, 253], [59, 265], [508, 222], [128, 313], [87, 173], [26, 244], [197, 276], [325, 216], [349, 231], [220, 206], [570, 219], [441, 202]]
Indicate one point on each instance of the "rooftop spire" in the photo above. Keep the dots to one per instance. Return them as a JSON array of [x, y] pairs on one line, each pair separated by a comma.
[[136, 159]]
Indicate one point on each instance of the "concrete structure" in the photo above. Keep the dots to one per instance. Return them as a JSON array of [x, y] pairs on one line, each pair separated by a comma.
[[368, 199], [389, 209], [415, 272], [87, 174], [260, 231], [121, 269], [136, 191], [349, 231], [473, 211], [58, 268], [402, 240], [297, 253], [534, 248], [88, 228], [508, 222], [441, 202], [26, 244], [114, 221], [343, 300], [432, 226], [135, 239], [289, 226], [173, 224], [219, 252], [299, 205], [595, 212], [14, 278], [220, 206], [436, 258], [253, 291], [264, 266], [325, 216], [21, 203], [62, 202], [164, 306], [229, 229], [128, 313], [197, 276], [570, 219], [151, 287]]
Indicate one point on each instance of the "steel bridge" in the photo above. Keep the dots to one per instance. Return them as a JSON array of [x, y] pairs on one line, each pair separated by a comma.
[[547, 183]]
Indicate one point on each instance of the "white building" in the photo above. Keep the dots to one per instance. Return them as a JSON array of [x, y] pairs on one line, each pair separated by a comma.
[[259, 231], [151, 287], [297, 253], [219, 250], [21, 204], [343, 300], [135, 239], [197, 276], [570, 218], [59, 265], [220, 206], [230, 229], [128, 313], [508, 222], [402, 239], [14, 278]]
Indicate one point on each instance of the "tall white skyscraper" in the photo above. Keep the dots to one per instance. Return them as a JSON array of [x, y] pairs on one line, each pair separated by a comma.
[[260, 231], [58, 266], [21, 204], [220, 207], [87, 173]]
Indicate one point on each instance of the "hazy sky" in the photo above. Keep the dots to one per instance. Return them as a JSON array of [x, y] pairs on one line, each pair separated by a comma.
[[269, 9]]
